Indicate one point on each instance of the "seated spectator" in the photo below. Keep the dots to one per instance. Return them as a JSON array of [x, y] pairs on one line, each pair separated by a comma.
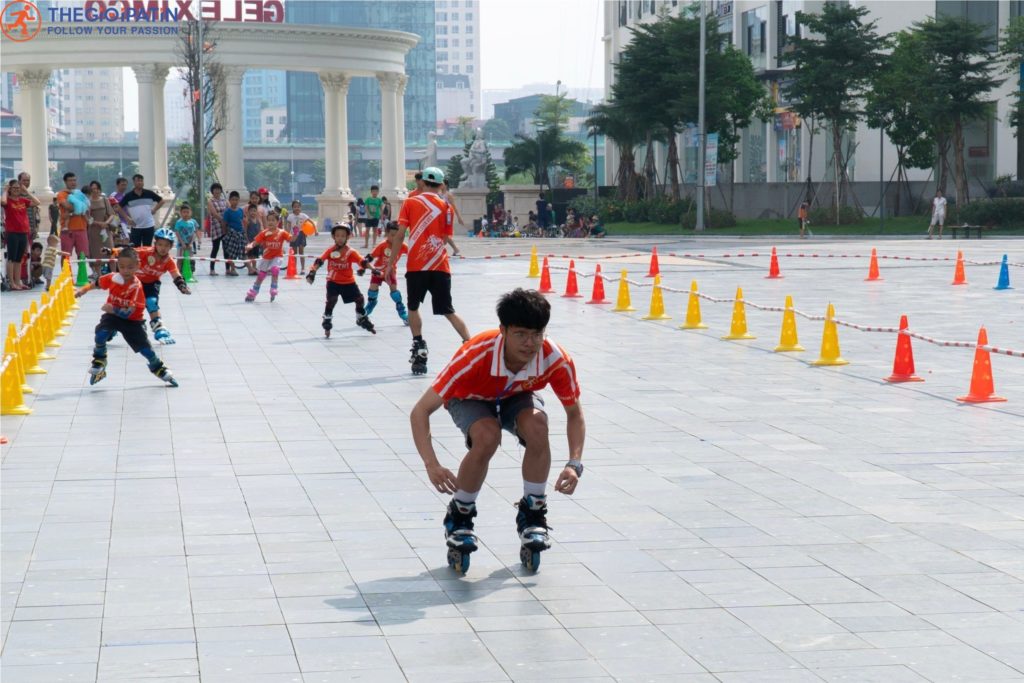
[[597, 230]]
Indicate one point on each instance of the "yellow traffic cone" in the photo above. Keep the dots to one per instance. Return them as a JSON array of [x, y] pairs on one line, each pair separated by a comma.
[[11, 347], [27, 345], [693, 311], [622, 304], [40, 328], [66, 274], [657, 311], [46, 312], [11, 400], [56, 313], [738, 329], [787, 339], [830, 341], [534, 266]]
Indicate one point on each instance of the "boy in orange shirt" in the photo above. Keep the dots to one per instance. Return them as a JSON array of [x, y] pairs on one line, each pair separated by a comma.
[[272, 239], [123, 312], [487, 387], [380, 255], [154, 262], [341, 279]]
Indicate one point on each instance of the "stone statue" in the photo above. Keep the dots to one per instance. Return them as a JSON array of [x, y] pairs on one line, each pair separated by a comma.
[[430, 158], [474, 164]]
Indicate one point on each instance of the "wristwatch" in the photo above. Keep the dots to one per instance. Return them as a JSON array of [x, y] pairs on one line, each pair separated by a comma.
[[577, 466]]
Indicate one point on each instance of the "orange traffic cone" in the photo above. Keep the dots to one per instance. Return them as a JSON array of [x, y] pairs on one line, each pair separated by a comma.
[[903, 363], [654, 269], [773, 267], [572, 291], [959, 276], [545, 279], [292, 273], [873, 268], [982, 387], [597, 296]]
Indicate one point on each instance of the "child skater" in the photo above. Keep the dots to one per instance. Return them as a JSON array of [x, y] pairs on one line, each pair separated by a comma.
[[341, 279], [295, 220], [186, 229], [272, 239], [379, 256], [123, 312]]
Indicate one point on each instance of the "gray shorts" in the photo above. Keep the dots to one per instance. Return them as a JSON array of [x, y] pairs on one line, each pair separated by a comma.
[[466, 411]]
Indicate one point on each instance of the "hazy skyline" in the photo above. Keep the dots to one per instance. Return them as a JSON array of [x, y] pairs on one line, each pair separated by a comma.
[[522, 42]]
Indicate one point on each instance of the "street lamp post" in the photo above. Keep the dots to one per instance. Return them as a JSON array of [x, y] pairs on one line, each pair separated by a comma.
[[701, 133]]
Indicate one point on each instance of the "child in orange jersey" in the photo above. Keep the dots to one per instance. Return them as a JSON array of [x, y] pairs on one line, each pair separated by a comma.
[[341, 279], [123, 312], [272, 239], [154, 261], [380, 255]]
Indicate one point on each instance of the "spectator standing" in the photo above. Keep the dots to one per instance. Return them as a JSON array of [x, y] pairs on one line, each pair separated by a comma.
[[100, 215], [25, 180], [542, 211], [121, 224], [215, 207], [17, 201], [72, 226], [141, 204]]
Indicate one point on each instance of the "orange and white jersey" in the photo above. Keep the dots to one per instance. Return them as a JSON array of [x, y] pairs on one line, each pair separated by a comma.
[[152, 267], [273, 242], [122, 293], [477, 371], [382, 252], [428, 217]]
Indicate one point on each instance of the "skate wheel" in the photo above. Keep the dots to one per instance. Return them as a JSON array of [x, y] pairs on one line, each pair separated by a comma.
[[530, 558], [458, 561]]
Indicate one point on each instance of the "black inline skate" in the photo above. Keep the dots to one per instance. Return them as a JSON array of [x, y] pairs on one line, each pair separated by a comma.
[[532, 524], [364, 322], [419, 357], [327, 325], [458, 531]]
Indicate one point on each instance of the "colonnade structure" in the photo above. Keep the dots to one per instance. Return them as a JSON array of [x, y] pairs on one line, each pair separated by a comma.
[[335, 54]]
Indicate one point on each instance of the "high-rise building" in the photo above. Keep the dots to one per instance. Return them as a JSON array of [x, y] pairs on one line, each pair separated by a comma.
[[91, 103], [457, 43], [305, 94], [177, 113], [261, 88]]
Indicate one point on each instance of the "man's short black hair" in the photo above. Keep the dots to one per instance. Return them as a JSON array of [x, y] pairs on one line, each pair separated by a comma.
[[69, 174], [120, 180], [524, 308], [431, 185], [138, 176]]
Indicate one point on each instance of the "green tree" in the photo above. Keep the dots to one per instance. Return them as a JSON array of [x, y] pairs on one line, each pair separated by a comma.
[[272, 174], [549, 146], [612, 121], [833, 66], [182, 173], [959, 77], [497, 130], [894, 106], [1012, 50]]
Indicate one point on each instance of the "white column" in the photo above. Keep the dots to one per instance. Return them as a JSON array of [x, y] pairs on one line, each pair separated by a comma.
[[34, 152], [389, 131], [335, 87], [160, 182], [233, 162], [400, 137], [145, 74]]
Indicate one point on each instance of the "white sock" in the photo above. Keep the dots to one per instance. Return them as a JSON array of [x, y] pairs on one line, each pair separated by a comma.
[[532, 488], [466, 496]]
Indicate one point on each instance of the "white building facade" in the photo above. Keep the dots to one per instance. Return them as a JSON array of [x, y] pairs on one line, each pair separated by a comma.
[[457, 49], [778, 150]]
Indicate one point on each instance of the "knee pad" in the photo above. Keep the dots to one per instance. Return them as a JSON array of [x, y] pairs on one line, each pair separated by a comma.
[[275, 271], [396, 296], [152, 304], [102, 337]]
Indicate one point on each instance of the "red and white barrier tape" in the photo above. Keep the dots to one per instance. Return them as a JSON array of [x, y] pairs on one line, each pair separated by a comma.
[[808, 316]]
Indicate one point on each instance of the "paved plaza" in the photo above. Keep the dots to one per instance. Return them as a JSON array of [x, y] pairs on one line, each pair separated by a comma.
[[743, 515]]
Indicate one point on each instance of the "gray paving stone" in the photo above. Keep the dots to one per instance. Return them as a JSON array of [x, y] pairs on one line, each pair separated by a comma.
[[743, 517]]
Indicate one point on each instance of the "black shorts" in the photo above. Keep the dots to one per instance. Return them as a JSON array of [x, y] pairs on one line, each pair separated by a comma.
[[466, 412], [372, 222], [151, 289], [133, 331], [437, 282], [142, 237], [17, 245], [348, 293]]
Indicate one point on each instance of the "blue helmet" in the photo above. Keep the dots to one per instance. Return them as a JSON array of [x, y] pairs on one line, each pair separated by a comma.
[[164, 234]]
